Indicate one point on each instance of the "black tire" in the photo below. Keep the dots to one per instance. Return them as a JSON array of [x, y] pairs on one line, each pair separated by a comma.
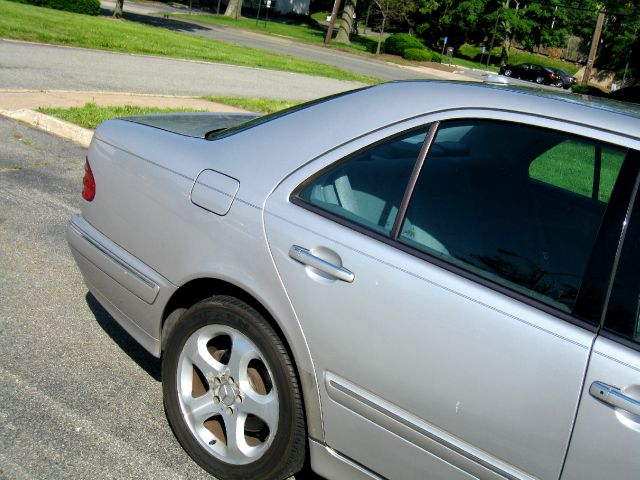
[[281, 453], [507, 72], [539, 80]]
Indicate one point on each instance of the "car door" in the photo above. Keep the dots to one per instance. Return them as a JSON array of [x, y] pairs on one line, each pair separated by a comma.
[[606, 439], [440, 314], [524, 71]]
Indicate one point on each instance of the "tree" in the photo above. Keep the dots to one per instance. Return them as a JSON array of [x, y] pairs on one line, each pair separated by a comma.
[[511, 22], [460, 21], [550, 24], [389, 10], [346, 25], [619, 48], [117, 11], [234, 9]]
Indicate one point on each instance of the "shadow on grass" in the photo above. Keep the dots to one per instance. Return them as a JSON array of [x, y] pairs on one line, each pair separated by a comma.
[[158, 21], [201, 29], [138, 354]]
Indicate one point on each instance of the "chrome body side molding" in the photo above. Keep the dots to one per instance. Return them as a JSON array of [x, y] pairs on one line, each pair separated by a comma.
[[420, 433]]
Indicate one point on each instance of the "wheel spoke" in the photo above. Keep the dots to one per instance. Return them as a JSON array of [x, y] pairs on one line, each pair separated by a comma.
[[265, 407], [236, 445], [242, 352], [196, 351], [199, 409]]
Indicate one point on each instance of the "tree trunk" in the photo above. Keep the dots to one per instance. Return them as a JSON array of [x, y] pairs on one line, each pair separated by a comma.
[[234, 9], [346, 25], [506, 46], [506, 39], [117, 11], [366, 20], [384, 19]]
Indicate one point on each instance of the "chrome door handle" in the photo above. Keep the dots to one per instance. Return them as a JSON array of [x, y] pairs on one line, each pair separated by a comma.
[[303, 255], [614, 397]]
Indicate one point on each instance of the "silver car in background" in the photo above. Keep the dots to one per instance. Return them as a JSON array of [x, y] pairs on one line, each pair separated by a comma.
[[413, 280]]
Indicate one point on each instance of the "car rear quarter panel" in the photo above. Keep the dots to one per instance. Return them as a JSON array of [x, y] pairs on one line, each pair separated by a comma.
[[144, 178]]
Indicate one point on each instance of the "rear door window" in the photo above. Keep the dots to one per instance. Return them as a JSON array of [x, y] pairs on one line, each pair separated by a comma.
[[368, 187], [578, 166], [513, 203]]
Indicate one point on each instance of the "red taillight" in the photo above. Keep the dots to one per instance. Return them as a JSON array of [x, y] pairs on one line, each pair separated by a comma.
[[89, 183]]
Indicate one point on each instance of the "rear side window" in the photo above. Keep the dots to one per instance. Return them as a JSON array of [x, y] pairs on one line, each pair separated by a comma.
[[368, 188], [500, 201]]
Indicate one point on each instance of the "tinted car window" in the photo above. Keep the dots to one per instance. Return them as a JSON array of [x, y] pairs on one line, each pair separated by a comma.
[[368, 187], [476, 206], [623, 314], [592, 172]]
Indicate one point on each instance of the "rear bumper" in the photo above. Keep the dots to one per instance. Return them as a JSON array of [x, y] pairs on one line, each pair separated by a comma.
[[131, 291]]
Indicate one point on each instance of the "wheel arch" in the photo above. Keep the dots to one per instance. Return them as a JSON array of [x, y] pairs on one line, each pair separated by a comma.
[[199, 289]]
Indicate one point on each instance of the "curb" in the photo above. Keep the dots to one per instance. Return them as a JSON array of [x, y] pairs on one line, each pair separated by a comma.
[[51, 125]]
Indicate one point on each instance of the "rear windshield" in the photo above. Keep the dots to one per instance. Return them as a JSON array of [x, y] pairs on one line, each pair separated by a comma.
[[218, 134]]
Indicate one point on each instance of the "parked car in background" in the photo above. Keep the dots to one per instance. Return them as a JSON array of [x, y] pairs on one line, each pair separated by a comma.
[[567, 79], [412, 280], [534, 73]]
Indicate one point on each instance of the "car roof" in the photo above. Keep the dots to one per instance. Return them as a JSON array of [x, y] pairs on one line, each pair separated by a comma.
[[351, 115]]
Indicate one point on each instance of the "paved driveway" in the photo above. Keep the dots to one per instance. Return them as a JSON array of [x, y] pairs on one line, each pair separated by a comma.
[[78, 398], [148, 13], [46, 67]]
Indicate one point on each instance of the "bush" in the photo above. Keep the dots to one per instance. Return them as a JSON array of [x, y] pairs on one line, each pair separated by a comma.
[[397, 43], [418, 54], [87, 7]]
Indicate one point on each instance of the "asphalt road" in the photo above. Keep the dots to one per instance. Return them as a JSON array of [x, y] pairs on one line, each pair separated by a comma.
[[148, 13], [46, 67], [78, 397]]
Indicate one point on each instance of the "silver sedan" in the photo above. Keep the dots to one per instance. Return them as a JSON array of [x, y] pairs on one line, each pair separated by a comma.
[[413, 280]]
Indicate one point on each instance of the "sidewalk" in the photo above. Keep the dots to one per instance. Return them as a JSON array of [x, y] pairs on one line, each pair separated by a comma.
[[33, 99], [22, 105]]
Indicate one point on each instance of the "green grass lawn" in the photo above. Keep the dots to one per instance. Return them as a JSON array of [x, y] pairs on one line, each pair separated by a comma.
[[258, 105], [26, 22], [91, 115]]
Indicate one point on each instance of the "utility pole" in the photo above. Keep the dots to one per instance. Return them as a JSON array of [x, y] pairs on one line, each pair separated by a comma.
[[334, 14], [595, 42]]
